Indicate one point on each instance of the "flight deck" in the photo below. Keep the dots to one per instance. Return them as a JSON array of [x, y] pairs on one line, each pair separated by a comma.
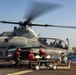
[[8, 69]]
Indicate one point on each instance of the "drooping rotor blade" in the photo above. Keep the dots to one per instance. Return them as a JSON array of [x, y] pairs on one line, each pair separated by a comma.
[[19, 23], [9, 22], [37, 8], [46, 25]]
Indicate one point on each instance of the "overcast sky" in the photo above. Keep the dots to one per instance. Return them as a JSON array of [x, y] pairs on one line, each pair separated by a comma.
[[15, 10]]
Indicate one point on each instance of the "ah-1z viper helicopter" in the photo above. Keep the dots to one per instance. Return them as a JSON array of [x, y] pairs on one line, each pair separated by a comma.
[[24, 37]]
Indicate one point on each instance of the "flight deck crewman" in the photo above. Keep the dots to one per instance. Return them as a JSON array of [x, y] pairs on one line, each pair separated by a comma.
[[17, 57], [42, 53], [31, 57]]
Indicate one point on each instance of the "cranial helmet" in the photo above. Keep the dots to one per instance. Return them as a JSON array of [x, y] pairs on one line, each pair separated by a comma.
[[30, 51], [19, 49]]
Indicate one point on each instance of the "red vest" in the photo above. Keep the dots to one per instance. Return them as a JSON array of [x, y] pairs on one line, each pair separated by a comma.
[[16, 54], [31, 57], [43, 52]]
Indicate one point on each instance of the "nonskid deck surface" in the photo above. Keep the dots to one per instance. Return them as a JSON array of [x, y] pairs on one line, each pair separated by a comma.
[[8, 69], [24, 71]]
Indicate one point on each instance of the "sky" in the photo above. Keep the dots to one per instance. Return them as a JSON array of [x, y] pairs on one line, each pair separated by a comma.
[[16, 10]]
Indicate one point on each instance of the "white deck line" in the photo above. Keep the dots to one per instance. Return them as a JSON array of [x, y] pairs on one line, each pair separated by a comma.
[[20, 72]]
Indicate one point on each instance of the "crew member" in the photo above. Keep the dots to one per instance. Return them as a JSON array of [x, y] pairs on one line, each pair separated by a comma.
[[17, 57], [42, 53], [31, 57]]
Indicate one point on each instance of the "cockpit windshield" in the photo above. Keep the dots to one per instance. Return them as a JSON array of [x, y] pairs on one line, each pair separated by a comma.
[[53, 42]]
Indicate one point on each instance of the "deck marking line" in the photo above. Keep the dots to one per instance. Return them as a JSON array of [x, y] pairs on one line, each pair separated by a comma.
[[20, 72]]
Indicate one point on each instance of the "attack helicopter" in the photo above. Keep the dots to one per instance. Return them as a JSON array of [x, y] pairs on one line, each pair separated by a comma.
[[24, 36]]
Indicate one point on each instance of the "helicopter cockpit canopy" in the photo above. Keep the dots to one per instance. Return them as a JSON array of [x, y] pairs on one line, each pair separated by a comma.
[[53, 42]]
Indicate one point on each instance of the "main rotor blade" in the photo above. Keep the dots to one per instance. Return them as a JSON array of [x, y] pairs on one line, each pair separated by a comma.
[[9, 22], [38, 8], [46, 25]]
